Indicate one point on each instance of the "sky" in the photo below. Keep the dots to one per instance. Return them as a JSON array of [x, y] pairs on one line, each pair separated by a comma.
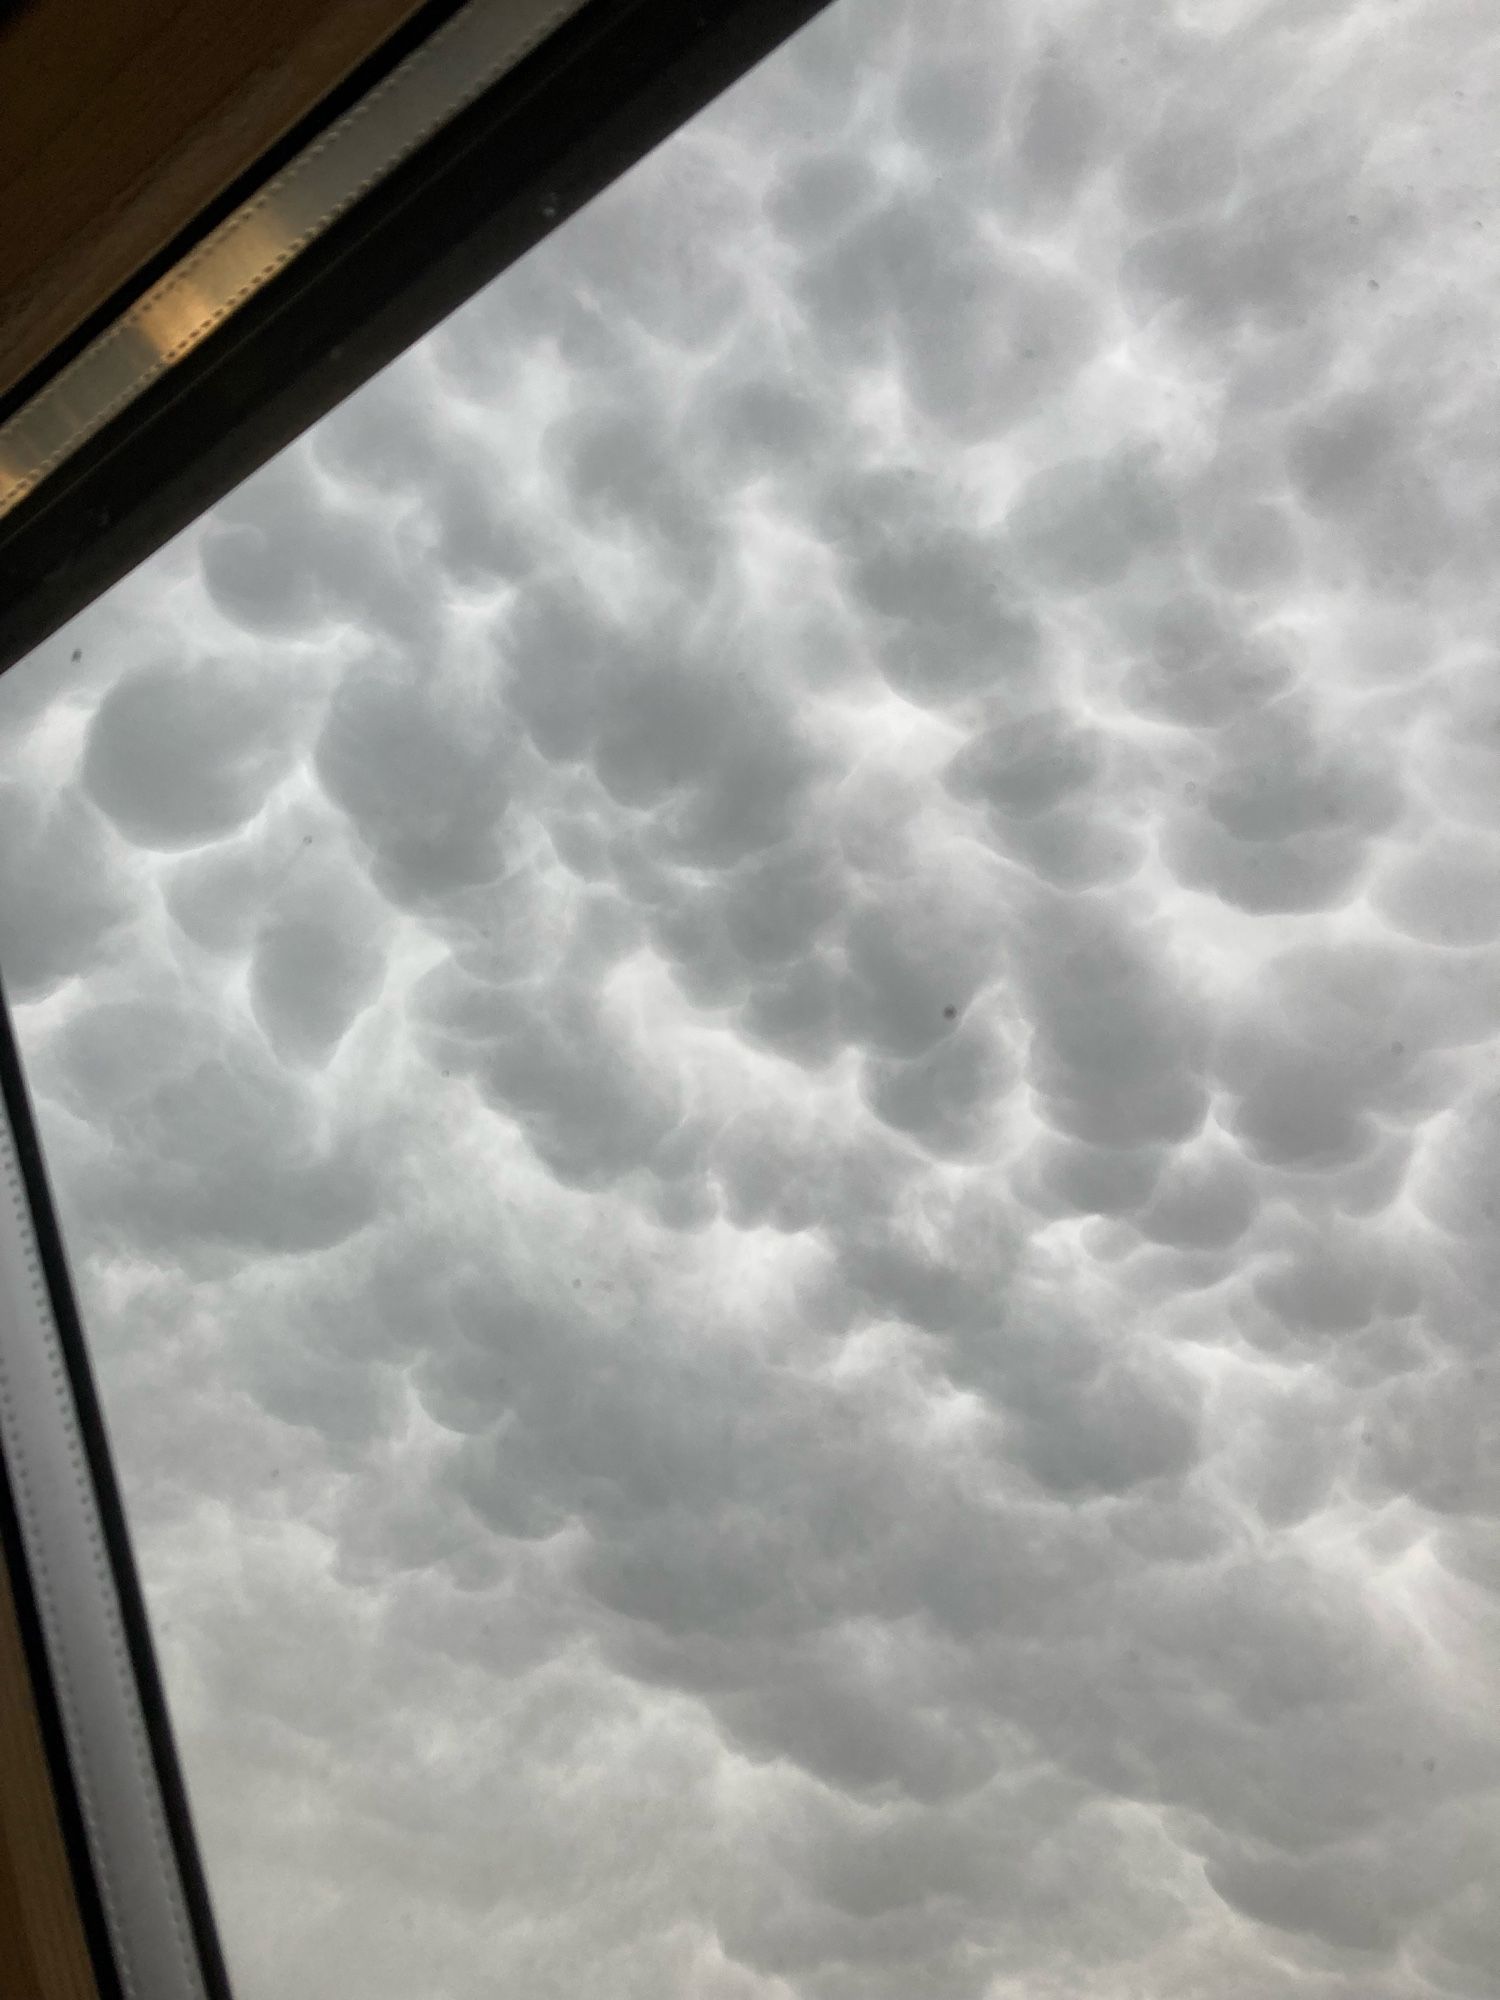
[[767, 1008]]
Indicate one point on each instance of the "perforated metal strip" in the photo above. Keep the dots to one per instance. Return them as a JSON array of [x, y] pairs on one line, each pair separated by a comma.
[[471, 51], [79, 1608]]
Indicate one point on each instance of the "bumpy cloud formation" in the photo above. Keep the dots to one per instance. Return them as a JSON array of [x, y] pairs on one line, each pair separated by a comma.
[[768, 1010]]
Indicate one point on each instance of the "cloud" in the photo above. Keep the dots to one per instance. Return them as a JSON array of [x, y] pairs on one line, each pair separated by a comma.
[[765, 1008], [62, 902]]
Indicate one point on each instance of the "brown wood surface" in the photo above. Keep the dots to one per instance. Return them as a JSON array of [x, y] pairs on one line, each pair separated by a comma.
[[42, 1951], [122, 118]]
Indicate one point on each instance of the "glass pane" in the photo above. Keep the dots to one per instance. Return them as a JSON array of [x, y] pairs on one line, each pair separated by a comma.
[[768, 1008]]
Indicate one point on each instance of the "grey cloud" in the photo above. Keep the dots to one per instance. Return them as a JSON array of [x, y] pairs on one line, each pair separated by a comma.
[[1201, 1203], [426, 790], [1118, 1054], [925, 946], [310, 975], [1184, 162], [1189, 664], [1299, 1114], [823, 193], [952, 626], [215, 1139], [947, 1097], [556, 650], [1084, 523], [178, 757], [1259, 263], [981, 335], [752, 421], [1028, 766], [565, 1071], [61, 902], [279, 559], [796, 1013], [1448, 895]]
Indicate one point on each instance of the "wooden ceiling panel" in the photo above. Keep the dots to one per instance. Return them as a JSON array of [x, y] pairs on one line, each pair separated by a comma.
[[125, 118], [43, 1955]]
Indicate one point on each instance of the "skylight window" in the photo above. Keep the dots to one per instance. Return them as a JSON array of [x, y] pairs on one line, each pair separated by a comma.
[[765, 1007]]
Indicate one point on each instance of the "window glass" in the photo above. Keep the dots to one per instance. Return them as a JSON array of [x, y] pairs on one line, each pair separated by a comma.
[[768, 1012]]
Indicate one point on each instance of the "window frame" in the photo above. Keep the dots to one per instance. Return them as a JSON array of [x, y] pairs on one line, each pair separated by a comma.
[[611, 81]]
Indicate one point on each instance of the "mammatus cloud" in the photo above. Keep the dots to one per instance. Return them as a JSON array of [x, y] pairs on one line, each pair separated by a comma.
[[767, 1008]]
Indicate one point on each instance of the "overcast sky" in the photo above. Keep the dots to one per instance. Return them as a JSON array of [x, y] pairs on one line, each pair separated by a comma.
[[768, 1007]]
